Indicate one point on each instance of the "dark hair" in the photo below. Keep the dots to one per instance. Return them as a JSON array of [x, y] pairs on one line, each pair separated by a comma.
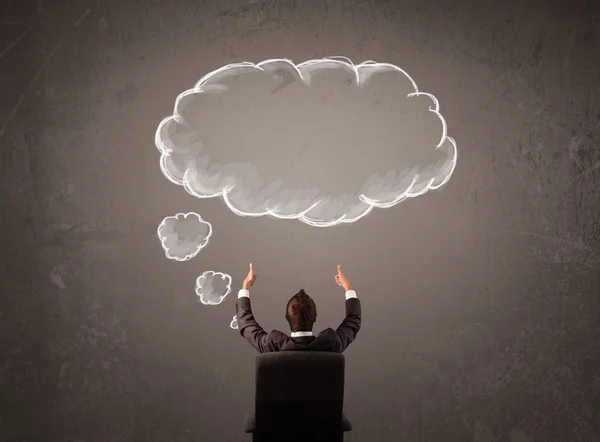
[[301, 312]]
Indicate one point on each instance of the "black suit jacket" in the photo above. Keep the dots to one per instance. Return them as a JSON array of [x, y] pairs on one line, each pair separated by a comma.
[[328, 340]]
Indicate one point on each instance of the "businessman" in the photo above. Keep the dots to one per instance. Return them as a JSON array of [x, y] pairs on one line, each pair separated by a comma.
[[301, 314]]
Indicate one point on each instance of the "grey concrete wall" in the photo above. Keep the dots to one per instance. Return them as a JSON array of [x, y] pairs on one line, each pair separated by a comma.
[[480, 300]]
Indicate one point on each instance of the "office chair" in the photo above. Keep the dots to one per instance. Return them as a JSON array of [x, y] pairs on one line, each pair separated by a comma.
[[299, 397]]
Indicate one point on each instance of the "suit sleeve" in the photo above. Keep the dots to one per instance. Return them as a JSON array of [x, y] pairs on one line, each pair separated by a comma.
[[348, 329], [250, 329]]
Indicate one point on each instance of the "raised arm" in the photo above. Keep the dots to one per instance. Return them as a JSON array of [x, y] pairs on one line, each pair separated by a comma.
[[350, 326], [247, 325]]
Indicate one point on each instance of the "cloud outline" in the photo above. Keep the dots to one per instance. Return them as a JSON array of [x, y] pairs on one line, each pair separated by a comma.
[[301, 216], [199, 247], [224, 276]]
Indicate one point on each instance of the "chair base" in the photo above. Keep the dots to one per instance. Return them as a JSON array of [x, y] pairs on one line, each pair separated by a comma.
[[268, 437], [250, 423]]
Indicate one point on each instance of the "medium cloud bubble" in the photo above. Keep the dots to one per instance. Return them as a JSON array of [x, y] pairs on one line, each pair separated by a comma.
[[182, 236]]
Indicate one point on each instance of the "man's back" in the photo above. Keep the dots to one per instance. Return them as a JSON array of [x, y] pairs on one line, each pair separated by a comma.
[[328, 340], [301, 314]]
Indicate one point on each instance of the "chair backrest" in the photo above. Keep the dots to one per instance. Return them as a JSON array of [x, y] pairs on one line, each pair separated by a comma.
[[299, 391]]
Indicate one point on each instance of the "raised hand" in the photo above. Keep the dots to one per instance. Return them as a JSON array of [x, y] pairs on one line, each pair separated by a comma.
[[341, 280], [250, 278]]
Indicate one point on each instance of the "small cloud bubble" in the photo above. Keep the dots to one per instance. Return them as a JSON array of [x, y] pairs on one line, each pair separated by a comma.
[[213, 287]]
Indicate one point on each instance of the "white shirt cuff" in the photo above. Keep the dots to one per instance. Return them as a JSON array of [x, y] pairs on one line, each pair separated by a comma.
[[350, 294]]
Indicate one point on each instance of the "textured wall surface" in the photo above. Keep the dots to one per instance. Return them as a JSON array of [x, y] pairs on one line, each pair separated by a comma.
[[480, 300]]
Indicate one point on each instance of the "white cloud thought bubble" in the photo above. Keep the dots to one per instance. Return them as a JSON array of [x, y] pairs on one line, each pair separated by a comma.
[[323, 142]]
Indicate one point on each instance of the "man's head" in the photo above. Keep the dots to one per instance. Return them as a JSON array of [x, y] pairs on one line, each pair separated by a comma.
[[301, 312]]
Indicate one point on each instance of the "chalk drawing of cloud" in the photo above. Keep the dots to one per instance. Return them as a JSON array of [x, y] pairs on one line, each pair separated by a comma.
[[213, 287], [324, 141], [183, 235]]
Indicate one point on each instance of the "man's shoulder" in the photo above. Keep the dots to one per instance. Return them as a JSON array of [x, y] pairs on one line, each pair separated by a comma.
[[326, 341], [278, 336], [328, 333], [277, 340]]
